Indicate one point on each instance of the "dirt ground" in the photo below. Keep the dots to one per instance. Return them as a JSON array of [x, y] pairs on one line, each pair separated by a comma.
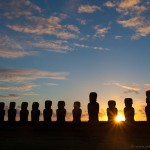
[[101, 136]]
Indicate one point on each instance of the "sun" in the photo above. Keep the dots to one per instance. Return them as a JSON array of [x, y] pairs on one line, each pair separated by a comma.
[[119, 118]]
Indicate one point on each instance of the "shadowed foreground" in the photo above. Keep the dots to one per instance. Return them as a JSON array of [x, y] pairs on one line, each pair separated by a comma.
[[75, 137]]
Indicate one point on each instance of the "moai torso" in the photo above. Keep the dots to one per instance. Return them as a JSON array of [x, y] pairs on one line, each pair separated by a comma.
[[129, 110], [93, 108], [76, 112], [24, 112], [147, 108], [2, 112], [12, 112], [112, 111], [47, 112], [35, 113], [61, 112]]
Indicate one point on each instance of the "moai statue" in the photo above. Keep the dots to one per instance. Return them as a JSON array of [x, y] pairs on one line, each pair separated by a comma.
[[147, 108], [112, 111], [61, 112], [76, 112], [35, 113], [129, 110], [93, 108], [47, 112], [24, 112], [12, 112], [2, 112]]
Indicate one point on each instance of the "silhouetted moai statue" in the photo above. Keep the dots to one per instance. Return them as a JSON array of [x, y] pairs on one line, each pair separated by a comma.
[[147, 108], [93, 108], [112, 111], [12, 112], [2, 112], [35, 113], [47, 112], [24, 112], [76, 112], [61, 112], [129, 110]]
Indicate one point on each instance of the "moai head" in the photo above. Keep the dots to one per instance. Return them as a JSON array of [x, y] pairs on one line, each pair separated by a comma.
[[128, 102], [12, 105], [77, 105], [24, 105], [48, 104], [93, 97], [148, 94], [61, 104], [2, 105], [35, 106], [111, 104], [148, 97]]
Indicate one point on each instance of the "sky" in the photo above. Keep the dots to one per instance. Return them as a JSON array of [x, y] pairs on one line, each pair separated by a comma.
[[65, 49]]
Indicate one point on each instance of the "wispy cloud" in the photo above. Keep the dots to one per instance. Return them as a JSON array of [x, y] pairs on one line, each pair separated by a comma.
[[15, 9], [29, 74], [117, 37], [147, 87], [16, 54], [129, 88], [50, 26], [131, 7], [51, 84], [58, 46], [139, 24], [88, 8], [11, 48], [109, 4], [82, 21], [10, 96], [73, 28], [31, 94], [90, 47], [17, 88], [101, 32]]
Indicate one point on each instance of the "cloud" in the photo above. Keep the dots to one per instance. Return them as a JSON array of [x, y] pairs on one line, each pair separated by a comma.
[[88, 9], [16, 9], [11, 48], [147, 87], [132, 22], [109, 4], [31, 94], [51, 84], [29, 74], [101, 32], [10, 96], [133, 7], [50, 26], [16, 54], [90, 47], [58, 46], [139, 24], [17, 88], [118, 37], [73, 28], [129, 88], [82, 21]]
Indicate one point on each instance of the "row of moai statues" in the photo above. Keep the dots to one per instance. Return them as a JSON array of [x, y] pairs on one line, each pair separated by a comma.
[[93, 110]]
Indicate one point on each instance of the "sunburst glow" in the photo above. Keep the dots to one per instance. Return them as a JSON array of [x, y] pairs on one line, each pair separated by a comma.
[[120, 118]]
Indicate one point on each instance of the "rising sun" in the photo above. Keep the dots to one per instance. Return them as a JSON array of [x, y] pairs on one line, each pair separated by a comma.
[[120, 118]]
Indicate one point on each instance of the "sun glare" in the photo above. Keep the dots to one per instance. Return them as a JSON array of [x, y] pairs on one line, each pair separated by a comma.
[[120, 118]]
